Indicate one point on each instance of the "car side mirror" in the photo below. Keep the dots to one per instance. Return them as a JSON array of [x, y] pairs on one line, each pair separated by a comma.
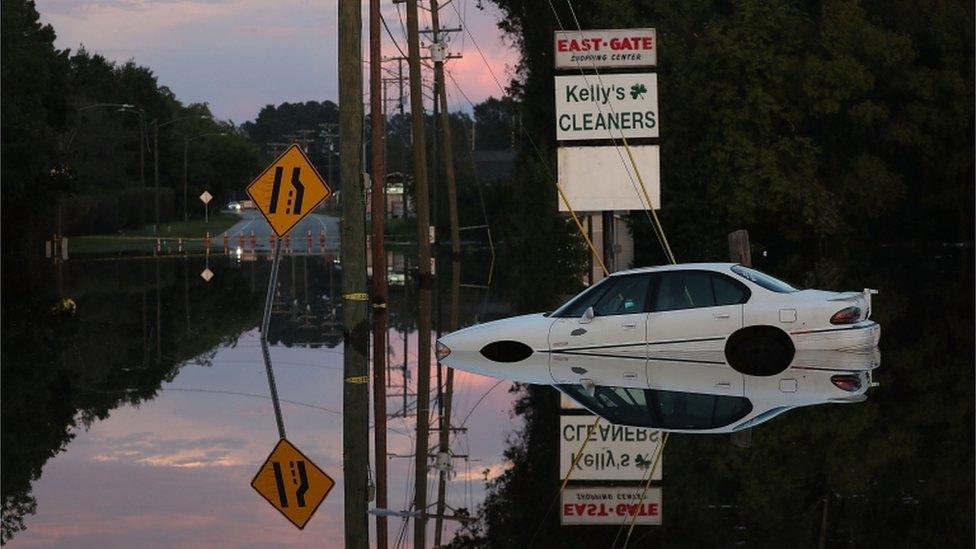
[[588, 315]]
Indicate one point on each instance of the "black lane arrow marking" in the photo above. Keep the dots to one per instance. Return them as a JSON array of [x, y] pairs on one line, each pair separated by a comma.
[[303, 487], [280, 482], [299, 190], [275, 189]]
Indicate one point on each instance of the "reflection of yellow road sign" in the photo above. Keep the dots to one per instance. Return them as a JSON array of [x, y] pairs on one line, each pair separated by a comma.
[[292, 484], [288, 190]]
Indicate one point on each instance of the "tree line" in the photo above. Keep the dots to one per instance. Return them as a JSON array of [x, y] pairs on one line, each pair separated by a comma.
[[79, 135]]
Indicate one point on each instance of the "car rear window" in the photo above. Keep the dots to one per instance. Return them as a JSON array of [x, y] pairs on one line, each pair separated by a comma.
[[661, 409], [771, 283]]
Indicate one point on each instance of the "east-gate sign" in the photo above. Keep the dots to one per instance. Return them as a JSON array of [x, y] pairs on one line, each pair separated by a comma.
[[606, 106], [605, 48], [288, 190]]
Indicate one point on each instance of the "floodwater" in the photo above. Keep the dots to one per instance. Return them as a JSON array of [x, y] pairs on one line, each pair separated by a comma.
[[136, 410], [139, 418]]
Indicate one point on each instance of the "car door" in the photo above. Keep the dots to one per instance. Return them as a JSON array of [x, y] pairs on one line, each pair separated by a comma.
[[611, 348], [694, 310]]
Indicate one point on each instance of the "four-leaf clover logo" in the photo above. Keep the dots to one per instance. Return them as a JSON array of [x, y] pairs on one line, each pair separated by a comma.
[[638, 90]]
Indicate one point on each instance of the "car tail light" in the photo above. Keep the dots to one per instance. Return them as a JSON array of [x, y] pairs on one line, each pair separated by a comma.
[[849, 383], [442, 351], [850, 315]]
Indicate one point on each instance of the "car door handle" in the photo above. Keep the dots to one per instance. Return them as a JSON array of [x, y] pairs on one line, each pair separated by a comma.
[[719, 316], [629, 325], [724, 384]]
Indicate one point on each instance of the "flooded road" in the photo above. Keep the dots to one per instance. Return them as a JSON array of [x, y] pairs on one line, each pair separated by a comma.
[[136, 407], [137, 410]]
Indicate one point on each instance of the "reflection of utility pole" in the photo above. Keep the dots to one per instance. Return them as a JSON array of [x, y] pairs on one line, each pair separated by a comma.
[[421, 202], [159, 317], [355, 389], [444, 457]]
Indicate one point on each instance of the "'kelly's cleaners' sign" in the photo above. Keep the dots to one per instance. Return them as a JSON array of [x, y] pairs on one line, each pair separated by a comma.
[[606, 106], [605, 49]]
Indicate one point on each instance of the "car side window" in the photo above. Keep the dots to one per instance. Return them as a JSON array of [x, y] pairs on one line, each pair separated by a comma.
[[727, 291], [575, 307], [628, 295], [684, 290]]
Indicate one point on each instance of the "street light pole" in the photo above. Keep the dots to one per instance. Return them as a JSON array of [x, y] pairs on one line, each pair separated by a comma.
[[156, 175], [156, 126], [186, 146]]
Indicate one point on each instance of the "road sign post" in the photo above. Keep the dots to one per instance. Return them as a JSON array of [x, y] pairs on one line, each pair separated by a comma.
[[206, 197], [285, 193]]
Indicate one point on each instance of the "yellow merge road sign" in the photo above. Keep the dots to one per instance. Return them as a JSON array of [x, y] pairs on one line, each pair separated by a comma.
[[292, 484], [288, 190]]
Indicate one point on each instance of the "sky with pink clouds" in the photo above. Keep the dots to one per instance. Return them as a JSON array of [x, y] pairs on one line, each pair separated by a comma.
[[240, 55]]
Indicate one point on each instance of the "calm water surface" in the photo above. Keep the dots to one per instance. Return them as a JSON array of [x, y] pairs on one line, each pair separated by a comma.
[[135, 407]]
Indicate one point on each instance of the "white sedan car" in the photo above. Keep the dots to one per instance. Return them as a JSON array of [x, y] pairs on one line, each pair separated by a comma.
[[758, 321]]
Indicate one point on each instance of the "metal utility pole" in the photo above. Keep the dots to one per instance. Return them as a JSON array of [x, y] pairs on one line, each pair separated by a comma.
[[421, 203], [437, 52], [378, 212], [355, 388]]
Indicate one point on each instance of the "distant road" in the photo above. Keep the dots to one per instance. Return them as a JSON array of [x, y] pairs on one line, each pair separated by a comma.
[[252, 220]]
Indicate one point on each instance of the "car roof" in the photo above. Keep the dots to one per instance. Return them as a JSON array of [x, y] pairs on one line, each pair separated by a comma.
[[678, 267]]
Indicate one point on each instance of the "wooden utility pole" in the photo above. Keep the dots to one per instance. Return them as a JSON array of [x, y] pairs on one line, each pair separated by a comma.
[[438, 52], [378, 213], [422, 204], [355, 388], [739, 252]]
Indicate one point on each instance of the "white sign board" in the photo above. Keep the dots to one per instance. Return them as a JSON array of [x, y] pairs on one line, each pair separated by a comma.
[[614, 452], [206, 197], [605, 48], [610, 505], [607, 106], [603, 178]]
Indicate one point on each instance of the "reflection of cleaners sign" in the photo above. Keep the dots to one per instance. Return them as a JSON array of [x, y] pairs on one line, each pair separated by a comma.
[[614, 452], [604, 107], [605, 48]]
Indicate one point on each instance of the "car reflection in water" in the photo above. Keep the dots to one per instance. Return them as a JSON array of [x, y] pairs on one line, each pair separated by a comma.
[[680, 391]]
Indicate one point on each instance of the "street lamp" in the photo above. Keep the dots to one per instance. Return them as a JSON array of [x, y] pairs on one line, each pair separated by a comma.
[[143, 141], [186, 146], [156, 126]]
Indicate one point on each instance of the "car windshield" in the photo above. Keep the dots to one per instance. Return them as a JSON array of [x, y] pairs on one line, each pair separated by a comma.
[[771, 283], [574, 307], [661, 409]]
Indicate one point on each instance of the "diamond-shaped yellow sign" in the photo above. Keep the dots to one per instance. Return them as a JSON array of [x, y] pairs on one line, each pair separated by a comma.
[[288, 190], [292, 484]]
